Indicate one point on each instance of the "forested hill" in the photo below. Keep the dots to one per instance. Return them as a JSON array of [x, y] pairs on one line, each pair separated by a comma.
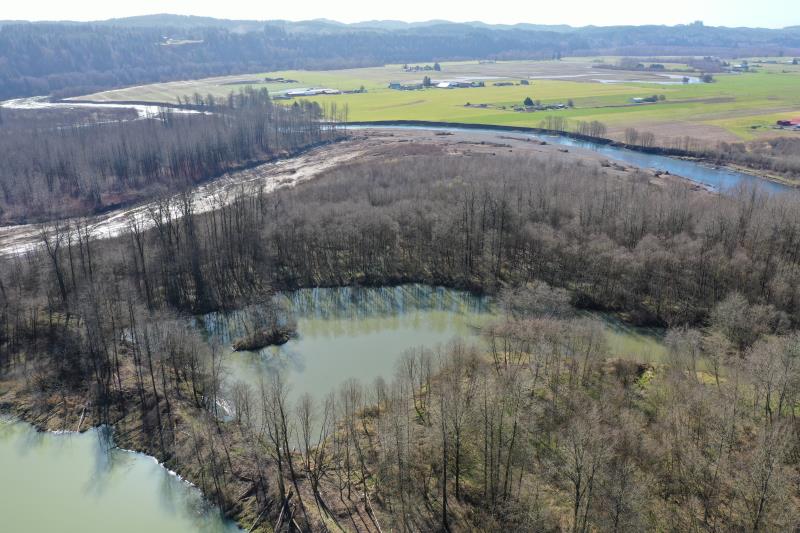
[[72, 58]]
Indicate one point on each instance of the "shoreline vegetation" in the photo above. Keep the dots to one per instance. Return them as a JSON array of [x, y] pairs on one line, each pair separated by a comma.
[[656, 150], [455, 373], [543, 430], [264, 337]]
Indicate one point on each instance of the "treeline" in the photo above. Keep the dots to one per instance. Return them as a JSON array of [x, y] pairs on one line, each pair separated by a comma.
[[58, 171], [664, 254], [660, 254], [80, 58], [778, 155]]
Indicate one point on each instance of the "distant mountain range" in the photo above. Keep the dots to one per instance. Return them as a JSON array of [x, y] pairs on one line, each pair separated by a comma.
[[322, 24], [78, 57]]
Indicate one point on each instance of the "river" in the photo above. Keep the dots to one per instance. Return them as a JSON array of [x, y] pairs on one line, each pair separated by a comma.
[[143, 111], [715, 178]]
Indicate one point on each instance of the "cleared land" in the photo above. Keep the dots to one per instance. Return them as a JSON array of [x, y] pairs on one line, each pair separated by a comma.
[[735, 107]]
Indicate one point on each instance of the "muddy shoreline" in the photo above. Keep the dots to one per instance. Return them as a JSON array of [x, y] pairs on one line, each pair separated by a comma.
[[268, 175], [248, 165]]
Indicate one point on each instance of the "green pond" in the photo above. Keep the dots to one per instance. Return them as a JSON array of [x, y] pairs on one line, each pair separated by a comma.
[[349, 333], [82, 483], [79, 482], [361, 333]]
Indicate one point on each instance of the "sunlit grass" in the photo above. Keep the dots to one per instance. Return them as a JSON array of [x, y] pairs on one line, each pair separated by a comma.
[[744, 105]]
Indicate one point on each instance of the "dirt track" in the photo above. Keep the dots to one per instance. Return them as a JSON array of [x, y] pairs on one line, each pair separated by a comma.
[[372, 143]]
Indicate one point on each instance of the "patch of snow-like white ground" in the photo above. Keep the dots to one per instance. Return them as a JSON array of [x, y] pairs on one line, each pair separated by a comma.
[[268, 177]]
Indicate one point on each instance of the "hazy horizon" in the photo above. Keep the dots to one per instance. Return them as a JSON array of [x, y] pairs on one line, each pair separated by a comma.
[[576, 13], [397, 20]]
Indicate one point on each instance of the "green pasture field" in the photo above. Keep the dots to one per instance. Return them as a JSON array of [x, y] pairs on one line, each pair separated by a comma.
[[735, 107]]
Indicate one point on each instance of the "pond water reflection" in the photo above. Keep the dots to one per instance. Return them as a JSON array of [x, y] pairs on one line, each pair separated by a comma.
[[79, 482], [361, 333]]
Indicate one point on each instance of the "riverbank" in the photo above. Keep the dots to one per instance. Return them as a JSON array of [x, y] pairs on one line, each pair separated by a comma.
[[133, 202], [383, 140], [211, 194], [601, 141]]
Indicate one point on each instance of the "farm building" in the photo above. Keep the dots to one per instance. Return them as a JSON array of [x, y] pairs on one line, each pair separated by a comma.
[[407, 87], [312, 91], [459, 84]]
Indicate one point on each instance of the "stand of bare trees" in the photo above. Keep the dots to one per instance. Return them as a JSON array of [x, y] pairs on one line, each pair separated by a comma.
[[539, 429], [57, 171], [592, 129], [778, 156], [559, 436]]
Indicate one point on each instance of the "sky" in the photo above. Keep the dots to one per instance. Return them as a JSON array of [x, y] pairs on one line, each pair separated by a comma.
[[763, 13]]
